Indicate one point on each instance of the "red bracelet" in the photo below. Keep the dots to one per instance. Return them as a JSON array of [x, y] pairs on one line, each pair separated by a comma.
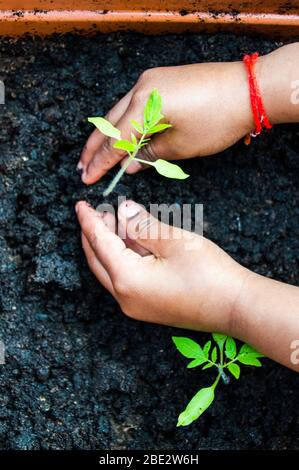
[[258, 110]]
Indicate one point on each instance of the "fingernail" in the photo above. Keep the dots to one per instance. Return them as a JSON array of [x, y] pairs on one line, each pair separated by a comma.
[[84, 176], [81, 170], [80, 203], [130, 210], [77, 207]]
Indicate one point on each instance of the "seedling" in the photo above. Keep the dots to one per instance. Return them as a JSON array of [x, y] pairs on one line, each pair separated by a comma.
[[152, 115], [223, 357]]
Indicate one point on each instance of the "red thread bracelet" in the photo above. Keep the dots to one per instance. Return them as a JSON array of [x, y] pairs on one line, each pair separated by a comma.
[[259, 114]]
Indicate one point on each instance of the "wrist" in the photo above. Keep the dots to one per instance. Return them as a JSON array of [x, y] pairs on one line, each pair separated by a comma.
[[232, 300], [266, 87], [250, 309], [266, 317], [269, 89], [240, 96], [242, 307], [276, 73]]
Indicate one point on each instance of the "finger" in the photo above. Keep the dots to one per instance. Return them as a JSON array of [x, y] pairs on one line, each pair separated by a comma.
[[110, 250], [93, 142], [134, 166], [160, 146], [95, 266], [129, 242], [96, 139], [107, 156], [110, 221], [156, 237]]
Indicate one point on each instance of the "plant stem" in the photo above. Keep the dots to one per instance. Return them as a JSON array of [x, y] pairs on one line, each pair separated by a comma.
[[230, 362], [216, 381], [119, 174], [144, 161], [117, 177], [223, 375], [221, 356]]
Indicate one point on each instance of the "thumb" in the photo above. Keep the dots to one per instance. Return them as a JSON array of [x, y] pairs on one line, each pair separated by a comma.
[[148, 232]]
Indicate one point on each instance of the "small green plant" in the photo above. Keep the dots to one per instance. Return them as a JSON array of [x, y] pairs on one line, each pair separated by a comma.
[[225, 356], [152, 116]]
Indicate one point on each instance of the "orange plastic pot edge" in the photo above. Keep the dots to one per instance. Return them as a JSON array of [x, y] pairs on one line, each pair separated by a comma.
[[15, 23]]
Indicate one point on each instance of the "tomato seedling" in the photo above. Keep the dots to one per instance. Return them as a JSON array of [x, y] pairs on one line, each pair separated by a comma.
[[152, 117], [225, 356]]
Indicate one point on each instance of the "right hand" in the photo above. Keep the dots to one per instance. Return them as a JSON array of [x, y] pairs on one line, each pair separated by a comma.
[[161, 274], [207, 104]]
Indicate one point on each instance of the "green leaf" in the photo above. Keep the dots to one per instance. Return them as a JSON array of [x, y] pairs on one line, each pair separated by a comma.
[[219, 339], [195, 408], [124, 145], [105, 127], [188, 347], [158, 128], [249, 360], [133, 138], [214, 354], [234, 370], [247, 349], [136, 126], [249, 356], [196, 362], [152, 110], [207, 366], [230, 348], [169, 170], [207, 348]]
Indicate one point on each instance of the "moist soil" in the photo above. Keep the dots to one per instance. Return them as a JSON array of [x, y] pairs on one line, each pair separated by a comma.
[[78, 373]]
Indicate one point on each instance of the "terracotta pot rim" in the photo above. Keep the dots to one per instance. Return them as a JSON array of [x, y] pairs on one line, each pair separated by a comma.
[[42, 22]]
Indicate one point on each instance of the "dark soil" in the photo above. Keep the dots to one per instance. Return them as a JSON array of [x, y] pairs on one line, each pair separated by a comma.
[[78, 373]]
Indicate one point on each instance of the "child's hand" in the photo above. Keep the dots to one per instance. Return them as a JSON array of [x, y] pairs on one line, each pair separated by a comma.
[[177, 278], [167, 276], [208, 106]]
